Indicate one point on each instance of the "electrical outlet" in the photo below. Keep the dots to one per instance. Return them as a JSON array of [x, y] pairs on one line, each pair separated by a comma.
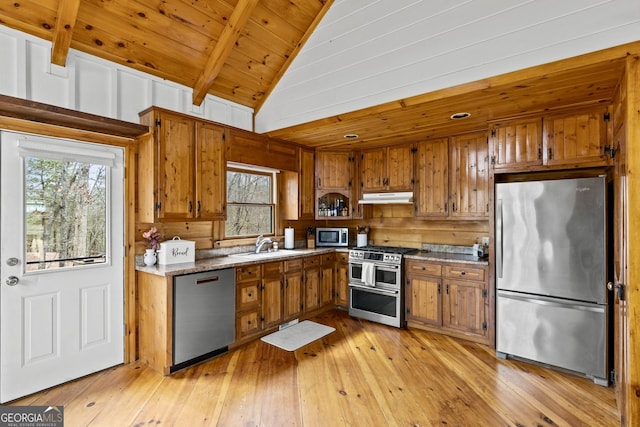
[[485, 241]]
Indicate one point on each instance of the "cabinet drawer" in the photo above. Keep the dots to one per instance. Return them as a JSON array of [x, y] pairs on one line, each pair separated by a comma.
[[311, 261], [247, 295], [464, 272], [420, 267], [327, 259], [272, 268], [342, 257], [247, 273], [293, 265]]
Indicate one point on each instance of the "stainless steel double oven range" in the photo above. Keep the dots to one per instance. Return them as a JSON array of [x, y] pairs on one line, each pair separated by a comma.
[[376, 290]]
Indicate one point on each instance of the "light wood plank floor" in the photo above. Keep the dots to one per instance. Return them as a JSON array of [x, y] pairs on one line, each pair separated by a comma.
[[363, 374]]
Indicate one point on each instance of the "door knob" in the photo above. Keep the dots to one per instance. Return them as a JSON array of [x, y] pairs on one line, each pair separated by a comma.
[[12, 262], [12, 280]]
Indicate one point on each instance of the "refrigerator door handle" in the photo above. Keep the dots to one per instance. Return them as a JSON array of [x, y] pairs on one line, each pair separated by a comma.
[[551, 301], [499, 247]]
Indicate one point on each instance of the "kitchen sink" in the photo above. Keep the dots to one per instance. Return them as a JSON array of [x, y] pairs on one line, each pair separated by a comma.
[[281, 253]]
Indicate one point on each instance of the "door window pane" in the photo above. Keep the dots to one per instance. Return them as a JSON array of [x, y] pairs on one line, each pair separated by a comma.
[[65, 213]]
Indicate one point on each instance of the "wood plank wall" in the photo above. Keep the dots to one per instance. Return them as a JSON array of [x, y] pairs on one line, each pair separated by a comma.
[[394, 225]]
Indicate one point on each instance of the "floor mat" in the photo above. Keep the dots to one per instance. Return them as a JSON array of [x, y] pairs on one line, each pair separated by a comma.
[[298, 335]]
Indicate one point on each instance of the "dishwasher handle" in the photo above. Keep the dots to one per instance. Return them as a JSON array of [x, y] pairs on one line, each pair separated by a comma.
[[207, 280]]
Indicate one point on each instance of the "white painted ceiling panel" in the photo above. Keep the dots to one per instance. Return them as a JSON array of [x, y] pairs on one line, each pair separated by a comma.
[[366, 53]]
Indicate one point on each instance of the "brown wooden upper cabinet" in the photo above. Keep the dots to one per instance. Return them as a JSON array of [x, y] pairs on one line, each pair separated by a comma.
[[469, 176], [452, 177], [333, 170], [578, 138], [569, 139], [306, 174], [182, 169], [334, 177], [431, 191], [387, 169], [516, 144]]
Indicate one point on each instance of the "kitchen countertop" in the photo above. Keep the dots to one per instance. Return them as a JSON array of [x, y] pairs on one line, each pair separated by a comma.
[[229, 261], [448, 256], [242, 259]]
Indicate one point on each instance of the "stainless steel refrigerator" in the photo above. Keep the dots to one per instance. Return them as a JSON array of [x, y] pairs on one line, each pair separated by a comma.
[[551, 267]]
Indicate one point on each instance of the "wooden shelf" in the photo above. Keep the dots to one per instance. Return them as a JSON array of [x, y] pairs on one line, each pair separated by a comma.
[[50, 114]]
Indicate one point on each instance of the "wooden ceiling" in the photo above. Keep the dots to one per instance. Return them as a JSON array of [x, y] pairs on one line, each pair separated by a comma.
[[239, 49], [233, 49], [581, 81]]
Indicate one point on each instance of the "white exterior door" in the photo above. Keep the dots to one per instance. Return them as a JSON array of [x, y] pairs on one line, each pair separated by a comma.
[[62, 282]]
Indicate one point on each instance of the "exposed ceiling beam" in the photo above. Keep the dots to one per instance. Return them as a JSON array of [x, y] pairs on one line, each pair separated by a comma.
[[223, 48], [294, 53], [63, 30]]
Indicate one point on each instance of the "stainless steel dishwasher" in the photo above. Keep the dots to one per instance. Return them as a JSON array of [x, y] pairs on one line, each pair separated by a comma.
[[203, 315]]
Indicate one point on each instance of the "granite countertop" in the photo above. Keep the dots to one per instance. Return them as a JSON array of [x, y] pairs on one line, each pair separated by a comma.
[[228, 261], [448, 256]]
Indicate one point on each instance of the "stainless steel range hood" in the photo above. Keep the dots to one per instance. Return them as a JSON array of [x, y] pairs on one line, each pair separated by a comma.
[[401, 198]]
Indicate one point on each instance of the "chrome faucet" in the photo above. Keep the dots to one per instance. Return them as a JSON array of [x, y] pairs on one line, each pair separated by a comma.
[[260, 241]]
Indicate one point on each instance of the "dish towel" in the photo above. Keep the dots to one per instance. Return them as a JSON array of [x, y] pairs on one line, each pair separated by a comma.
[[369, 273]]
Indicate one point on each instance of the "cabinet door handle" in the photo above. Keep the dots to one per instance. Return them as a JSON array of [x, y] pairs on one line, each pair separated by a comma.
[[550, 153], [198, 206], [438, 288], [447, 289], [190, 206]]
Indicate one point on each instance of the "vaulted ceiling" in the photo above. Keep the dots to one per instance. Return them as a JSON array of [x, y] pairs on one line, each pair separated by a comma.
[[234, 49], [389, 71]]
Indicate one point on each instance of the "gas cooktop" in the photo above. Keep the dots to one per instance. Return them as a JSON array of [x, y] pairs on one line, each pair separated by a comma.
[[386, 249], [387, 254]]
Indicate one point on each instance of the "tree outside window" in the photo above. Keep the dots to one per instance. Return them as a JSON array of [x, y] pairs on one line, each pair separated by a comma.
[[250, 206], [65, 213]]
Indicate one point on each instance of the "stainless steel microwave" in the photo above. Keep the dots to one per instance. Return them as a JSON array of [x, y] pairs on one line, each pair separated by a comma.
[[332, 236]]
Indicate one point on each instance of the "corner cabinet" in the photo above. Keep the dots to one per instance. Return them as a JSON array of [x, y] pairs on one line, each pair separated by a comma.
[[449, 298], [181, 169]]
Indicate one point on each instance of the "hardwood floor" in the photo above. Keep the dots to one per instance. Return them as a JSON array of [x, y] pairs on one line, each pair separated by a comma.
[[363, 374]]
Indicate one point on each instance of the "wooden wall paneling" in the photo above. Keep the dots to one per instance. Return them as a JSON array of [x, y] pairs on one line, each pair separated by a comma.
[[124, 92], [130, 309], [632, 350], [202, 232]]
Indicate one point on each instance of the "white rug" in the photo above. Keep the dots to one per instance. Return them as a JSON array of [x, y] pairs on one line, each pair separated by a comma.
[[298, 335]]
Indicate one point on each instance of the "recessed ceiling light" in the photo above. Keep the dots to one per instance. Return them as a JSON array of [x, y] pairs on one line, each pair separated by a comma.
[[351, 136], [458, 116]]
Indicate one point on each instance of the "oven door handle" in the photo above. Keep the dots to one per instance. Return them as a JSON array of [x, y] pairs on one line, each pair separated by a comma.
[[374, 289]]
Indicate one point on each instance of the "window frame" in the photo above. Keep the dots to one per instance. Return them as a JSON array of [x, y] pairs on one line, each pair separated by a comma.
[[253, 170]]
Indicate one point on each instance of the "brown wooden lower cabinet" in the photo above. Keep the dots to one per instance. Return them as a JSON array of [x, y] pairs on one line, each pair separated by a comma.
[[449, 298], [341, 280], [267, 295], [272, 293], [293, 303]]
